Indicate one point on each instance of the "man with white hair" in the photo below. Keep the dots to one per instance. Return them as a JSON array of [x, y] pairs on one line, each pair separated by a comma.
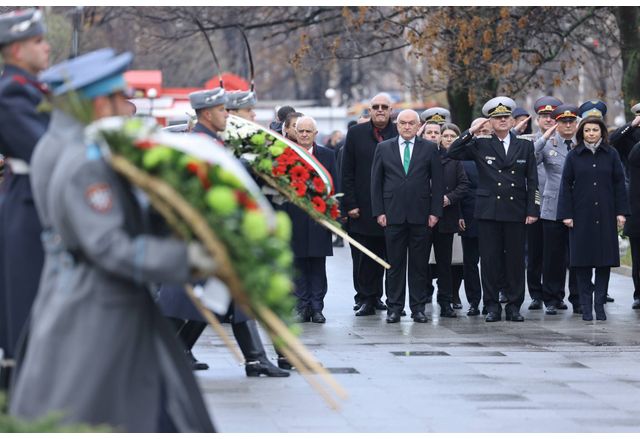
[[406, 199], [311, 243], [357, 158]]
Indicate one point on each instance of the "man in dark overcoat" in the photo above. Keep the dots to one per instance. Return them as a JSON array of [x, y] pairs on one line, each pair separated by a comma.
[[22, 123], [357, 159], [505, 203], [632, 226]]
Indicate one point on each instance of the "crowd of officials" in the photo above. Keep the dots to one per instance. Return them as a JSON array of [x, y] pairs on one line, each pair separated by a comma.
[[83, 331]]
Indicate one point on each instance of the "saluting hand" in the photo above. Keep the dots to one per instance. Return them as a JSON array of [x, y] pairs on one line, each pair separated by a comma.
[[568, 222], [636, 121], [522, 125], [531, 219], [481, 123], [547, 134]]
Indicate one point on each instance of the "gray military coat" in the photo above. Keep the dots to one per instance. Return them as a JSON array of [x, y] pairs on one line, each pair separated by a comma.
[[551, 154], [101, 352]]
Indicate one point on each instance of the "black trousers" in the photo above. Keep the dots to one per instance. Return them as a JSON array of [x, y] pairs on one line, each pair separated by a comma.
[[400, 239], [368, 274], [555, 263], [502, 261], [535, 249], [586, 288], [310, 283], [635, 265], [470, 272], [442, 249]]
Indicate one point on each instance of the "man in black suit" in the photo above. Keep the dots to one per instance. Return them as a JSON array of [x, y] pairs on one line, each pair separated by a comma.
[[357, 159], [406, 199], [310, 241], [505, 203]]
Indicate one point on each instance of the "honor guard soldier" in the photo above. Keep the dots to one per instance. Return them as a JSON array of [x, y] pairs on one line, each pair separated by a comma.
[[543, 107], [551, 150], [102, 353], [209, 106], [505, 203], [623, 140], [437, 115], [22, 122], [242, 104]]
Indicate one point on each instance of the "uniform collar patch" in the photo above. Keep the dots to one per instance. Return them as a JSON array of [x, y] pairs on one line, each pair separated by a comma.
[[99, 197]]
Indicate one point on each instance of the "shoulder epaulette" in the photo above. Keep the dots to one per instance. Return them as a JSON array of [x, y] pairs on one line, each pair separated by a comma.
[[524, 137], [483, 137]]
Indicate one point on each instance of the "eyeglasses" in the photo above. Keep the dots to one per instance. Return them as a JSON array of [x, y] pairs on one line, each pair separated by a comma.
[[380, 107]]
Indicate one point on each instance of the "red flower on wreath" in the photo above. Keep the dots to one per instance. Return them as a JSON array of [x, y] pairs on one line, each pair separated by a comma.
[[288, 157], [319, 204], [299, 173], [319, 185], [279, 170], [246, 201], [300, 187], [192, 167], [335, 212], [144, 144]]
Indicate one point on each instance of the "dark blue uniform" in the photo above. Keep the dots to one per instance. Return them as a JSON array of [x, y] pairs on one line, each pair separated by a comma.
[[21, 253]]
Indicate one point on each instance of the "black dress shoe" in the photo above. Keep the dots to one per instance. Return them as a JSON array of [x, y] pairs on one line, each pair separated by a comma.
[[562, 305], [366, 310], [610, 299], [484, 311], [636, 304], [283, 363], [502, 298], [447, 311], [264, 367], [302, 316], [317, 317], [514, 317], [587, 316], [393, 317], [600, 314], [457, 306], [380, 306], [551, 310], [357, 305], [419, 317], [493, 317], [473, 311], [535, 304], [195, 364]]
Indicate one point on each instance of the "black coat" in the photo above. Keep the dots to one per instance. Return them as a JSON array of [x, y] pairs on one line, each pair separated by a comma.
[[506, 184], [469, 201], [623, 140], [357, 159], [409, 197], [309, 239], [632, 226], [592, 193], [456, 186]]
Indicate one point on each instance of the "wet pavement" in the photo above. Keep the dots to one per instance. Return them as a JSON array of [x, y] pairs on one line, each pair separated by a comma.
[[548, 374]]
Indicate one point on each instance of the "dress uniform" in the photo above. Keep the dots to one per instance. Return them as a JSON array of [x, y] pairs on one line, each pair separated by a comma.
[[22, 124], [101, 352], [543, 107], [623, 139], [177, 306], [505, 198], [552, 154], [437, 115]]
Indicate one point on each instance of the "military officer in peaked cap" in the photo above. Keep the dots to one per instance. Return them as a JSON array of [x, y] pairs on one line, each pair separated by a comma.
[[211, 113], [242, 104], [109, 258], [623, 140], [437, 115], [551, 150], [543, 107], [505, 203], [22, 123]]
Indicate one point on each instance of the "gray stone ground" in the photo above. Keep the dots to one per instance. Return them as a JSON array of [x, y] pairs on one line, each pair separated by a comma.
[[548, 374]]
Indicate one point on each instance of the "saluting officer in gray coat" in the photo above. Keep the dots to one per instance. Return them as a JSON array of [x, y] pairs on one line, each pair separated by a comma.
[[101, 352], [551, 150]]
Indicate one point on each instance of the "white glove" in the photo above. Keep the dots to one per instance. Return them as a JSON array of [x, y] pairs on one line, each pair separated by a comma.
[[200, 259]]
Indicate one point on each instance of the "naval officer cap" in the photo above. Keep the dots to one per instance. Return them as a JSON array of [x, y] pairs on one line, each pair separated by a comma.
[[636, 109], [437, 115], [499, 106], [566, 112], [207, 98], [91, 79], [593, 108], [20, 25], [238, 100], [546, 104]]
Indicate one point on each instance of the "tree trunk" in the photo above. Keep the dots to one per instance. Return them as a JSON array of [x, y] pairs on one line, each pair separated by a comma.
[[459, 106], [628, 19]]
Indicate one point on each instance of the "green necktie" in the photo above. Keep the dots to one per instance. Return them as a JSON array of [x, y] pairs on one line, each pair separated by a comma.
[[407, 156]]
